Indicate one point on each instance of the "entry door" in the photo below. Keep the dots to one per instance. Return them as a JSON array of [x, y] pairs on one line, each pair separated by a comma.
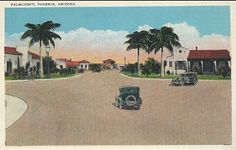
[[9, 67]]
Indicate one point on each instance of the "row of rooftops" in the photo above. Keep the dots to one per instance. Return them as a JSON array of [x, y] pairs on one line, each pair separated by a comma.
[[196, 54], [69, 60], [70, 63]]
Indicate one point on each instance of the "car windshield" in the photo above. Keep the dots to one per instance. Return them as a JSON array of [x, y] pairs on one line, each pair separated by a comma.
[[187, 74], [129, 90]]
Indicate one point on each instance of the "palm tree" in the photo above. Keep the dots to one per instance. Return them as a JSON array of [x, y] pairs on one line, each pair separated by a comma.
[[137, 40], [42, 33], [160, 38]]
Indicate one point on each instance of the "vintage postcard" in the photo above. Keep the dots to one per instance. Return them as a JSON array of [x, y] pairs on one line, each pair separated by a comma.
[[118, 73]]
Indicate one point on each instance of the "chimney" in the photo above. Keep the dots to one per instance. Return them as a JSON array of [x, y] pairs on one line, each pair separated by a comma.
[[196, 48]]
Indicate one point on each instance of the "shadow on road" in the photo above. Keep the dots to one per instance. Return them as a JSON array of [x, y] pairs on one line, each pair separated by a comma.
[[125, 108]]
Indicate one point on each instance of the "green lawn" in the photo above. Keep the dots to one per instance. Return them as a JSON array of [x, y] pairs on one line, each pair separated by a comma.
[[9, 78], [200, 77], [57, 75], [52, 76]]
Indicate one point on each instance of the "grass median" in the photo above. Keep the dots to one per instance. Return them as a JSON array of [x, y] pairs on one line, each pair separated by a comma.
[[52, 76]]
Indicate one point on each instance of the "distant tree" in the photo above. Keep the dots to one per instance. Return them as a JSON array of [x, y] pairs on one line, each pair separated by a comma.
[[137, 40], [130, 68], [95, 67]]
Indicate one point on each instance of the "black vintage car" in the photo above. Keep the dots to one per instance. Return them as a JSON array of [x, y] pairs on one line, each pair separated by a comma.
[[128, 97], [186, 78]]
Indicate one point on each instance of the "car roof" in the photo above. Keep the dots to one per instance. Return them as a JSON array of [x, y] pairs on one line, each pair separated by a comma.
[[128, 86]]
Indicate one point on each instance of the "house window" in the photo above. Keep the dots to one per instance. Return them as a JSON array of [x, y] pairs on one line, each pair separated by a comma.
[[181, 65], [180, 51], [81, 66], [85, 66], [170, 63]]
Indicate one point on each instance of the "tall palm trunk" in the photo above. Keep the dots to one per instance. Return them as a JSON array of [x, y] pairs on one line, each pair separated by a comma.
[[41, 59], [162, 64], [138, 72]]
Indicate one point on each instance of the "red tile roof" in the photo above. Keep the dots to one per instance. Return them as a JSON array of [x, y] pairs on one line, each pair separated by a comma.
[[108, 61], [34, 56], [11, 50], [71, 64], [84, 61], [209, 54]]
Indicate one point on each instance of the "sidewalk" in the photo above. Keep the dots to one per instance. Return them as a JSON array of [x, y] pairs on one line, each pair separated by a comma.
[[15, 108]]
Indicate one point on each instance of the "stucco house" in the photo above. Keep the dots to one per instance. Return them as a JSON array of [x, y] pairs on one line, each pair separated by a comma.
[[108, 64], [12, 59], [61, 63], [176, 63], [84, 64], [15, 58], [208, 61], [33, 60], [66, 63], [72, 64]]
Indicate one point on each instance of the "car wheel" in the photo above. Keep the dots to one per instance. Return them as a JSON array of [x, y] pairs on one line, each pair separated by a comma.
[[182, 83], [131, 100]]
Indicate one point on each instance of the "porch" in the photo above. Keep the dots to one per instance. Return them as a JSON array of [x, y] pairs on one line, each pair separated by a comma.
[[208, 66]]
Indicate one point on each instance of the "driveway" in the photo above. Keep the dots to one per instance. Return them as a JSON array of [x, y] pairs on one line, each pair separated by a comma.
[[79, 111]]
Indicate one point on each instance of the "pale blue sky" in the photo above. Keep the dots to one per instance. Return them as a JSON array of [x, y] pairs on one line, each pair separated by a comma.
[[207, 20]]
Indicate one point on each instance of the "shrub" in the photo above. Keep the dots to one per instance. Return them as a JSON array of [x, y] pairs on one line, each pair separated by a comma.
[[67, 71], [145, 70], [19, 73], [49, 65], [153, 65], [95, 67], [81, 70], [225, 71], [130, 68]]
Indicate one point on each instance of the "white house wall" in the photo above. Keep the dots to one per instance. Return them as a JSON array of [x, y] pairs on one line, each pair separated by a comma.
[[13, 59], [24, 50], [34, 62], [179, 54], [60, 63], [82, 65]]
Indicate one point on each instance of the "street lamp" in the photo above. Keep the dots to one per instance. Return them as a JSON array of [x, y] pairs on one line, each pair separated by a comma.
[[47, 52]]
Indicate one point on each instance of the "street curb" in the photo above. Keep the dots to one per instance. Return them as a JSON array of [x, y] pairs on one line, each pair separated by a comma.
[[43, 79], [136, 78], [22, 113]]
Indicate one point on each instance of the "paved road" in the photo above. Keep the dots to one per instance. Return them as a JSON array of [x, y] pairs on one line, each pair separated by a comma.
[[79, 111]]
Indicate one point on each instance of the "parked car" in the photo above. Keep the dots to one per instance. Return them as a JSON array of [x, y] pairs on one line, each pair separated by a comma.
[[80, 70], [128, 97], [186, 78]]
